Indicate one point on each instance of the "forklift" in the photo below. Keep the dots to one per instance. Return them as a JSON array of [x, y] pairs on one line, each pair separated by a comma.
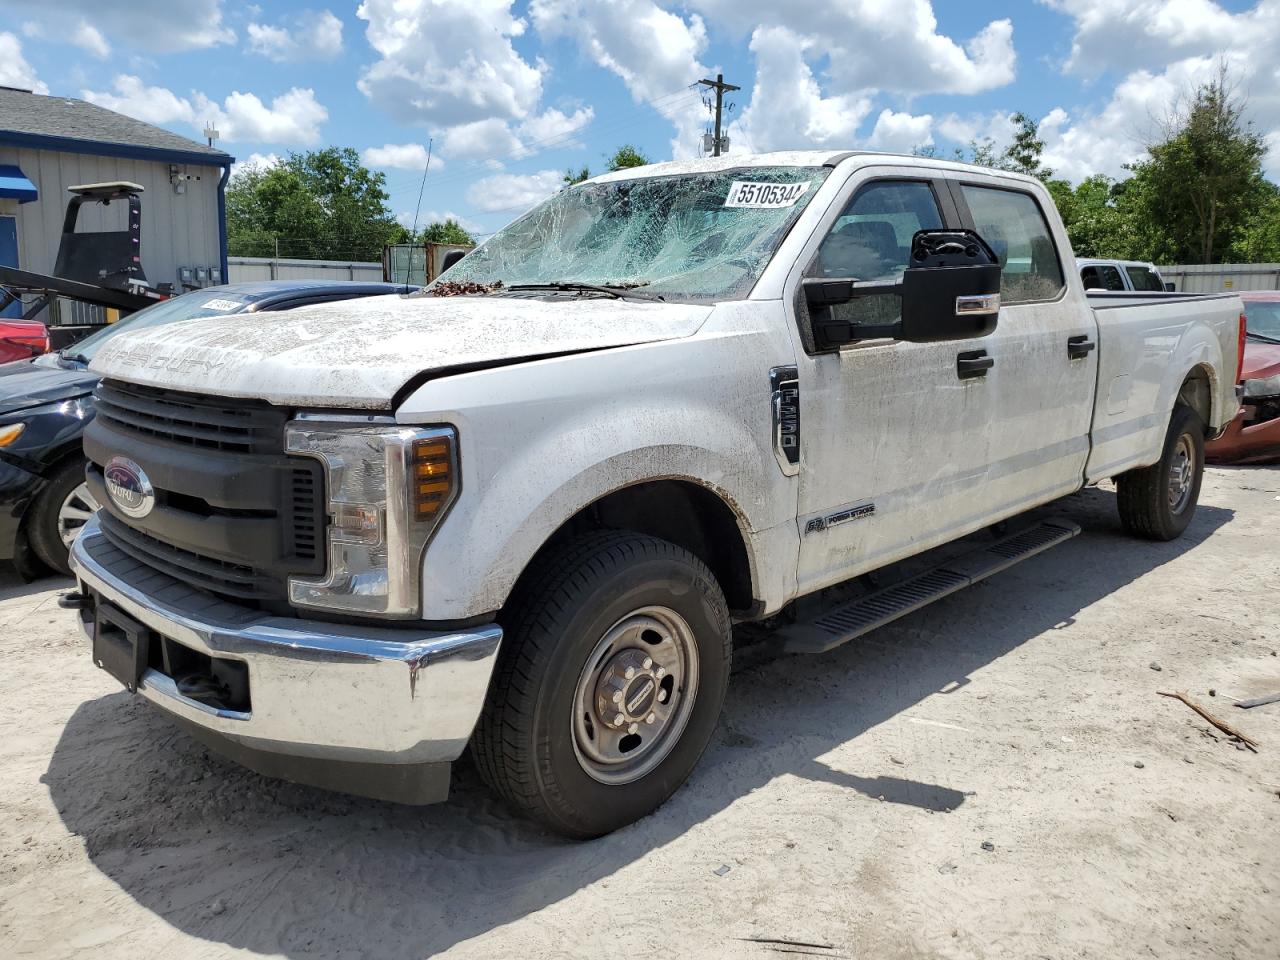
[[101, 268]]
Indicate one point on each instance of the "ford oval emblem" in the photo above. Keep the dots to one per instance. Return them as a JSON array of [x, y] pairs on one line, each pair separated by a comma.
[[128, 487]]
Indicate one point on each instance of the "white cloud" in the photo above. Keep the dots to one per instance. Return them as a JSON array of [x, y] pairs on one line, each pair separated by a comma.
[[292, 117], [554, 128], [132, 97], [481, 138], [400, 156], [14, 69], [787, 107], [440, 216], [891, 45], [509, 191], [306, 35], [901, 132], [445, 64], [1128, 34], [148, 24], [88, 38], [654, 51]]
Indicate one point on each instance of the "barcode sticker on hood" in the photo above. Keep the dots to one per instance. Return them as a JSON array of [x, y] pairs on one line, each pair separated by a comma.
[[744, 193]]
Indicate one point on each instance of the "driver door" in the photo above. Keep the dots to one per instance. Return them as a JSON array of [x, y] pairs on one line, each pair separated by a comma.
[[895, 442]]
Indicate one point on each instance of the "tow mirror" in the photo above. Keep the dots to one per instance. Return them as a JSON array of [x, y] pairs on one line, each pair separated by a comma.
[[1169, 287], [949, 291]]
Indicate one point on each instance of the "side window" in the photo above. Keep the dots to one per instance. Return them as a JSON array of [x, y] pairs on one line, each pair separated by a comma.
[[1011, 222], [1089, 277], [871, 239], [1144, 279], [1111, 279]]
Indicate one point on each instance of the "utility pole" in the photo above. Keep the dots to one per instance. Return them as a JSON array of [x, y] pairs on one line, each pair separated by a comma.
[[721, 88]]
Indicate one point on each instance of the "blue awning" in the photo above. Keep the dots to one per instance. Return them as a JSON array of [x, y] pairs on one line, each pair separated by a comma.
[[14, 185]]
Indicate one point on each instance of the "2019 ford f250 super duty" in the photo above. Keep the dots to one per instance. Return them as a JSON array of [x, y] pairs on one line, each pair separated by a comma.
[[523, 510]]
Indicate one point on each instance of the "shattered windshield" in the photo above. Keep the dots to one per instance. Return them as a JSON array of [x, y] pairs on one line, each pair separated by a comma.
[[705, 236]]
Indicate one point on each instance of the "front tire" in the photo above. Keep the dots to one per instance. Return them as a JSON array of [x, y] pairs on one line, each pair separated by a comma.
[[610, 683], [63, 507], [1158, 502]]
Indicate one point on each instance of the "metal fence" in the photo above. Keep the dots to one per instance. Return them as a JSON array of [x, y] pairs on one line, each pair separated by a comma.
[[1216, 277], [242, 269]]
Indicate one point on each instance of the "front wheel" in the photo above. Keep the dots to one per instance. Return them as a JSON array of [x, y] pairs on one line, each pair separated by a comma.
[[610, 683], [62, 509], [1158, 502]]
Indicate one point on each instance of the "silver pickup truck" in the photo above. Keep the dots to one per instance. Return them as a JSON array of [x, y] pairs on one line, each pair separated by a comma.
[[524, 510]]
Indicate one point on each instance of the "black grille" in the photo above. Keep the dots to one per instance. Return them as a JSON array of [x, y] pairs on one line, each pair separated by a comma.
[[234, 514], [222, 577], [233, 426]]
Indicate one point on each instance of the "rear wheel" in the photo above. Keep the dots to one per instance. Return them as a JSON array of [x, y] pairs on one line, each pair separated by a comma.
[[1158, 502], [610, 683], [61, 510]]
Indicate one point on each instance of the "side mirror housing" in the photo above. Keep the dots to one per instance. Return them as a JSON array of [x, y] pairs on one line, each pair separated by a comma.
[[1169, 287], [950, 291]]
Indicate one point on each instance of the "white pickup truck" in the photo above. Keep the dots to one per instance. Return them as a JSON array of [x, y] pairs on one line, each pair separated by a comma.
[[523, 511]]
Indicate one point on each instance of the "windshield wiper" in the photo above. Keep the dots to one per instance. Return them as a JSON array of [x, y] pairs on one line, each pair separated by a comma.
[[1262, 336], [79, 358], [618, 292]]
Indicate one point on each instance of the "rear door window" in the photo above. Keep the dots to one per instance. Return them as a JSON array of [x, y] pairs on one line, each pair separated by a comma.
[[1013, 224], [1102, 277]]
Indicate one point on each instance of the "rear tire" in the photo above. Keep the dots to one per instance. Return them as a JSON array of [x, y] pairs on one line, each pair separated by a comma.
[[610, 683], [1159, 501], [59, 512]]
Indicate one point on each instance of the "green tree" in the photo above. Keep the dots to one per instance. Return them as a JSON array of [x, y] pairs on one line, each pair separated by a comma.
[[627, 156], [450, 231], [1023, 154], [571, 177], [319, 205], [1202, 185], [1258, 240]]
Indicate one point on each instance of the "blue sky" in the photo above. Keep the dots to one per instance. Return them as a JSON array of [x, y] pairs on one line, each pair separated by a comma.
[[511, 94]]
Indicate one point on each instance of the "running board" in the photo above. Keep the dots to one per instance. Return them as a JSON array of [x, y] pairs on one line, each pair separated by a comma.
[[843, 623]]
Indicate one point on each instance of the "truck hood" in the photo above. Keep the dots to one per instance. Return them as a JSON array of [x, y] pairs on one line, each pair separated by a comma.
[[359, 353]]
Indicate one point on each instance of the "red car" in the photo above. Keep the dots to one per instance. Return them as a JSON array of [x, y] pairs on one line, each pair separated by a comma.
[[1254, 435], [22, 340]]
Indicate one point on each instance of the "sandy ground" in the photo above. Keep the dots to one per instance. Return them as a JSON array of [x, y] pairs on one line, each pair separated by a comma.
[[847, 802]]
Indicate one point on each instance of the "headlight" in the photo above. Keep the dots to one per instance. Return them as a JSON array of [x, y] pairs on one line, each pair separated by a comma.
[[388, 488], [1264, 387], [11, 432]]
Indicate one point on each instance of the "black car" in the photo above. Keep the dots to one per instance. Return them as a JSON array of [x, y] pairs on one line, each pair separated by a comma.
[[45, 404]]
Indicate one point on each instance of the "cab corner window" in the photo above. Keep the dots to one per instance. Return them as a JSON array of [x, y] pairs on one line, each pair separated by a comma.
[[1013, 224]]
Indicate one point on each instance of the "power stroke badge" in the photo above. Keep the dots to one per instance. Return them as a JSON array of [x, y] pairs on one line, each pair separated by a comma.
[[129, 487]]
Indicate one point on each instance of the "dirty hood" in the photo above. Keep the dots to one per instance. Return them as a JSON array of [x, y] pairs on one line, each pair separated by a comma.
[[358, 353]]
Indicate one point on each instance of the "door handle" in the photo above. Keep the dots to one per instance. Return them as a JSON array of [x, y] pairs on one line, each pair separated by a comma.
[[1078, 347], [973, 363]]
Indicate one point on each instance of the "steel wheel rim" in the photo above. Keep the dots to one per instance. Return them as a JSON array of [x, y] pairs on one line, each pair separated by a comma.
[[1181, 474], [628, 716], [74, 513]]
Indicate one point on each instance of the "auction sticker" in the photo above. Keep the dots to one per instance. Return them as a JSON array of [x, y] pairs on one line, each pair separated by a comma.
[[745, 193], [222, 306]]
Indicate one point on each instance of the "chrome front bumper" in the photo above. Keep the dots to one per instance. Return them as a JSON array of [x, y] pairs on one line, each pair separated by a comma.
[[324, 693]]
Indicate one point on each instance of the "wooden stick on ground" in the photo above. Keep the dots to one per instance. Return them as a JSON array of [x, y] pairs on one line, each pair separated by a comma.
[[1224, 727]]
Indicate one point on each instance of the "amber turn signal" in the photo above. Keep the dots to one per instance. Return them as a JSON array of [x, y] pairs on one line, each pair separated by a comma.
[[432, 477], [11, 433]]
